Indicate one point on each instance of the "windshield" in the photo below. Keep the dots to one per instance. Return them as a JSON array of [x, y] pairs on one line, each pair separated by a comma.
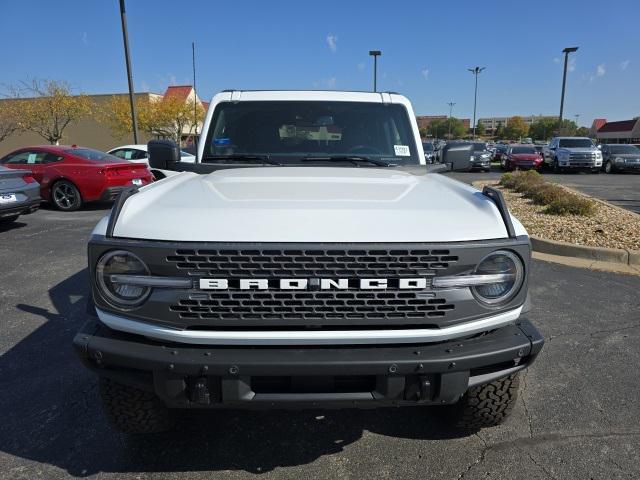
[[479, 146], [92, 155], [289, 131], [529, 150], [427, 147], [575, 143], [624, 149]]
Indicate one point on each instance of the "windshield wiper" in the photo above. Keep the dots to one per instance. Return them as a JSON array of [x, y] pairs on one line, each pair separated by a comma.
[[355, 159], [241, 156]]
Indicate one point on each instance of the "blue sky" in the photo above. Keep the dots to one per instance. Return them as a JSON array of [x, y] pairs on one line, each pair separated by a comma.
[[427, 48]]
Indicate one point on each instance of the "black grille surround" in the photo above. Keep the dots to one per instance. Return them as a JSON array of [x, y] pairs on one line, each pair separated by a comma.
[[355, 308]]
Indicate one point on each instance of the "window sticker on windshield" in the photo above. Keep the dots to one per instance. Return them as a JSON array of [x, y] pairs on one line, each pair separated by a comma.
[[128, 154], [31, 158], [220, 142], [402, 150]]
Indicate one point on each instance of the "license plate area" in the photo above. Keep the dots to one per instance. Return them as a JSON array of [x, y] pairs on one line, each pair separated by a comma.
[[8, 198]]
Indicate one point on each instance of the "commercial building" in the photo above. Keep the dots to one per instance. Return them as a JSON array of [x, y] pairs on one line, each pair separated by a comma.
[[491, 124], [625, 131], [92, 132]]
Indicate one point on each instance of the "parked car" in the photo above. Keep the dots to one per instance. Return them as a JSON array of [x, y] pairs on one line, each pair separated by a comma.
[[522, 157], [500, 150], [620, 157], [70, 175], [139, 154], [572, 153], [307, 274], [481, 157], [19, 194], [429, 152]]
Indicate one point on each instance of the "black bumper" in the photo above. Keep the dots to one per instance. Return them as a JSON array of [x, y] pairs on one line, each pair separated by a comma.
[[285, 377], [110, 194], [24, 208]]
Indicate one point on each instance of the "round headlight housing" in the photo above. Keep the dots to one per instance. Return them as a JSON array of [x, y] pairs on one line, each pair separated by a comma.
[[510, 270], [117, 293]]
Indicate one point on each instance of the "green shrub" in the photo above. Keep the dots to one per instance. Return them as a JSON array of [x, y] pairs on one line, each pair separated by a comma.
[[557, 200], [571, 204]]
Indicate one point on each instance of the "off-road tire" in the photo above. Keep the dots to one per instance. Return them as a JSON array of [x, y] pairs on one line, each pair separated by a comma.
[[134, 411], [608, 167], [486, 405]]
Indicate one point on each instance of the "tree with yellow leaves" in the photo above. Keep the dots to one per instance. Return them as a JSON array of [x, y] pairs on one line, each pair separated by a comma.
[[47, 107], [8, 119], [168, 117]]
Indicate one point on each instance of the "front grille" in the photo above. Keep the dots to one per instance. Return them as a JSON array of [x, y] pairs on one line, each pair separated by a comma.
[[313, 306], [308, 263]]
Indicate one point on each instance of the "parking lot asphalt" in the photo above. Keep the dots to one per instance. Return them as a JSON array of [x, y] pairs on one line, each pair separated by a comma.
[[577, 416], [621, 189]]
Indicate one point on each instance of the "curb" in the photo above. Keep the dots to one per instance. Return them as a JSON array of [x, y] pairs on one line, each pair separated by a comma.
[[597, 254]]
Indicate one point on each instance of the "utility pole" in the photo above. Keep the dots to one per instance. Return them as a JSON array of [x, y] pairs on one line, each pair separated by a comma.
[[451, 104], [195, 96], [566, 52], [476, 71], [375, 54], [125, 36]]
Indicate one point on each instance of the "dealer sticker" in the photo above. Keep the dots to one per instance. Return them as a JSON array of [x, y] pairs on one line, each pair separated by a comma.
[[402, 150]]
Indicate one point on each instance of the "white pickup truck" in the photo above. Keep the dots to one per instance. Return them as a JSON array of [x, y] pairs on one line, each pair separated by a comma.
[[307, 259], [572, 153]]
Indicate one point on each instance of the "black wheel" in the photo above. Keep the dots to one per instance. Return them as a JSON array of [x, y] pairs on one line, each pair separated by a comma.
[[608, 167], [66, 196], [486, 405], [10, 219], [131, 410]]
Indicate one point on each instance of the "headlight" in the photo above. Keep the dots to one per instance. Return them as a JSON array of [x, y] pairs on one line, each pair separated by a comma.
[[121, 295], [506, 264], [619, 160], [599, 155]]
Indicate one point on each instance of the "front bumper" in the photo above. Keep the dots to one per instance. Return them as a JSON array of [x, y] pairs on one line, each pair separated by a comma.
[[189, 376]]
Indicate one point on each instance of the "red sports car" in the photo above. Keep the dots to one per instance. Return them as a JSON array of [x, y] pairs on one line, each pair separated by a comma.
[[522, 157], [72, 175]]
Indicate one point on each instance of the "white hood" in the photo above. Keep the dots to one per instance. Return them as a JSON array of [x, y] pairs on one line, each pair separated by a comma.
[[310, 204]]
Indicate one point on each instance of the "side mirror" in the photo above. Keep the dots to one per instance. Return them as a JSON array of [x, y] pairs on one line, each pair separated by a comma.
[[458, 156], [163, 154]]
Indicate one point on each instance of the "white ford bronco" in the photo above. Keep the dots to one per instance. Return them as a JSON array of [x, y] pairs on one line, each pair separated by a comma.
[[308, 259]]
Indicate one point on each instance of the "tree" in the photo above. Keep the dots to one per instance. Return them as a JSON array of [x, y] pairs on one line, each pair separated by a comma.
[[582, 132], [499, 132], [480, 130], [8, 119], [542, 128], [516, 128], [440, 128], [567, 128], [169, 117], [47, 107]]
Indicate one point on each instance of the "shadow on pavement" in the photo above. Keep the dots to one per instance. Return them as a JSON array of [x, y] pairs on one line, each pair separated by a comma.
[[6, 226], [50, 413]]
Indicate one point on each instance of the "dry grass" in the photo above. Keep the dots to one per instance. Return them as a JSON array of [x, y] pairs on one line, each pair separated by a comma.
[[607, 226]]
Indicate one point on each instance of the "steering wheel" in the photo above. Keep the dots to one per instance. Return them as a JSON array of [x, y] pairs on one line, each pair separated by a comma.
[[364, 149]]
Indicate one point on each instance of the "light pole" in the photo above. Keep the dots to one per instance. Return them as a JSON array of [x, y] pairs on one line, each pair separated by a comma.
[[566, 52], [577, 115], [134, 116], [476, 71], [375, 54], [451, 104]]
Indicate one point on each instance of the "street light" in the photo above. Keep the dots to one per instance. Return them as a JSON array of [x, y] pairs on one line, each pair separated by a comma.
[[566, 52], [451, 104], [134, 117], [476, 71], [375, 54]]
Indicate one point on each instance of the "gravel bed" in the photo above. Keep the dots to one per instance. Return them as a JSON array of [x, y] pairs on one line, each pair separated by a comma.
[[610, 226]]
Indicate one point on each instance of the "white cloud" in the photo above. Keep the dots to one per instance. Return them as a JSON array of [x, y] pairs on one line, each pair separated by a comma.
[[572, 64], [331, 82], [326, 83], [84, 38], [332, 41], [425, 73], [556, 60], [624, 65], [600, 70], [360, 66], [144, 86]]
